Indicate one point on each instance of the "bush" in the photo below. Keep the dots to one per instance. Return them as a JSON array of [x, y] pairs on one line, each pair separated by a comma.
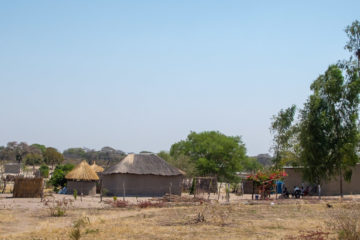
[[58, 178], [44, 171], [57, 208], [75, 193], [146, 204]]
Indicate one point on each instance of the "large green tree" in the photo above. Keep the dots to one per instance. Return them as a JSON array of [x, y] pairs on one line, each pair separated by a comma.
[[329, 133], [213, 154]]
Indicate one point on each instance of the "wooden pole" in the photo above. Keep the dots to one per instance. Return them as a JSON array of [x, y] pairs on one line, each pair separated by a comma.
[[124, 191]]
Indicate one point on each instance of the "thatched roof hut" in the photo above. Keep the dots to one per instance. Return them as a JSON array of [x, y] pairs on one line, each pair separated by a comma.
[[97, 168], [142, 175], [82, 178]]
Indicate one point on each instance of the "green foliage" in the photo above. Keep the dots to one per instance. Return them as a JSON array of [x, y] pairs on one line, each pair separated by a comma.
[[75, 194], [213, 154], [52, 156], [58, 177], [40, 147], [33, 159], [251, 164], [284, 132], [180, 161], [44, 170], [329, 134], [353, 33], [114, 198]]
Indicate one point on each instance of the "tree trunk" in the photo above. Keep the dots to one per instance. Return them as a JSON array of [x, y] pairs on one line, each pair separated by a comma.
[[341, 184], [319, 191]]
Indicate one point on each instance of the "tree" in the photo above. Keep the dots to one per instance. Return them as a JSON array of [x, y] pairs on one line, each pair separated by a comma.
[[180, 161], [40, 147], [284, 137], [52, 156], [329, 134], [353, 44], [213, 154]]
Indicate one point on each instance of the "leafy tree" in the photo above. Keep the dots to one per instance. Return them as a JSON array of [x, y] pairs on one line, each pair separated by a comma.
[[353, 44], [213, 154], [58, 177], [284, 137], [251, 164], [181, 162], [33, 159], [44, 170], [52, 156], [329, 134], [40, 147]]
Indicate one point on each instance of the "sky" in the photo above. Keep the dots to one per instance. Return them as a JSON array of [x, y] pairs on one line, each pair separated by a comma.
[[140, 75]]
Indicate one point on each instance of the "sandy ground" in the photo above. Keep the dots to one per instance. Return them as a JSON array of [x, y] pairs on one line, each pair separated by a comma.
[[242, 218]]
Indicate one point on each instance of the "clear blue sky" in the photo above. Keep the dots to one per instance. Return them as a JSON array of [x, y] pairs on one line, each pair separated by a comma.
[[140, 75]]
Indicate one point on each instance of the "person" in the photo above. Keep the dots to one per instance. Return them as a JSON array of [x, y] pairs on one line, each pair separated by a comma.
[[285, 193], [297, 192]]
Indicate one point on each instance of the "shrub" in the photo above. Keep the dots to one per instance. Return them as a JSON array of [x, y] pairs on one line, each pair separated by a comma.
[[115, 198], [44, 171], [75, 233], [75, 193], [146, 204], [57, 208], [58, 178]]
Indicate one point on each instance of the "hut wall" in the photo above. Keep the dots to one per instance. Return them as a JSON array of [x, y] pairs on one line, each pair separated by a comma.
[[12, 168], [28, 187], [141, 185], [331, 187], [85, 187]]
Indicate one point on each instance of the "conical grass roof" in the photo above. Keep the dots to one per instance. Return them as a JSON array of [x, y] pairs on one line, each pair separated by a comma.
[[82, 172], [143, 164], [96, 167]]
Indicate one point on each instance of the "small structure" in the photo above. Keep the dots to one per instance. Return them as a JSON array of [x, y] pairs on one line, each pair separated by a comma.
[[97, 168], [142, 175], [328, 188], [13, 168], [82, 179], [205, 185], [28, 187]]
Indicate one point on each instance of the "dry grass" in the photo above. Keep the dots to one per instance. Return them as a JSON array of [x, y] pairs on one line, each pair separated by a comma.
[[218, 221]]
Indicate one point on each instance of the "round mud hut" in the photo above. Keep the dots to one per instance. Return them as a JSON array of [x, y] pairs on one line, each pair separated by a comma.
[[82, 179], [142, 175]]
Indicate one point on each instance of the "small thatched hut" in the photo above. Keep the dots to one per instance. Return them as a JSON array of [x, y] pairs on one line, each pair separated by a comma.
[[82, 178], [142, 175], [97, 168]]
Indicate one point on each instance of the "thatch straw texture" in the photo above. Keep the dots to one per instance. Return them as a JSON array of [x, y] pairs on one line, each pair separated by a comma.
[[82, 172], [97, 168], [28, 187], [143, 164]]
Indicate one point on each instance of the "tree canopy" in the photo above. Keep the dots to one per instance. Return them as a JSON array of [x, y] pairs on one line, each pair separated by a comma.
[[213, 154]]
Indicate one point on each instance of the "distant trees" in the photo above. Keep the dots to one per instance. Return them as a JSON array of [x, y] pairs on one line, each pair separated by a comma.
[[52, 156], [212, 154], [106, 155]]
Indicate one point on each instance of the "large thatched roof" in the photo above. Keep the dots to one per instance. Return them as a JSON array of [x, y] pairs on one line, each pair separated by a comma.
[[143, 164], [97, 168], [83, 172]]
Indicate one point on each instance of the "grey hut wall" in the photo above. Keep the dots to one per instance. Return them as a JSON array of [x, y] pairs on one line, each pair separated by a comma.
[[331, 187], [84, 187], [141, 185]]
